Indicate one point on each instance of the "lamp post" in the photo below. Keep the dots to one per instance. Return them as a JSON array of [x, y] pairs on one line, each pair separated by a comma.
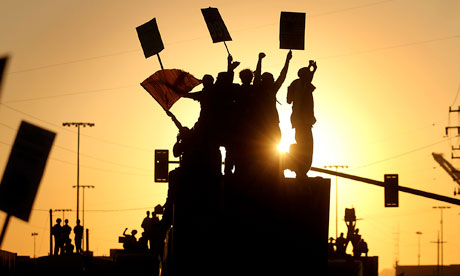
[[78, 125], [442, 231], [83, 212], [63, 212], [34, 235], [418, 255], [336, 167]]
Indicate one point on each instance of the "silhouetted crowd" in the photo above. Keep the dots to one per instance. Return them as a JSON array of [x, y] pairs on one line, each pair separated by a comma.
[[338, 247], [243, 118], [62, 242], [151, 239]]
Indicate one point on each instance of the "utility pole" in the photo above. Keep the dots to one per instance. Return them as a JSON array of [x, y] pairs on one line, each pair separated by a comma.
[[34, 235], [83, 212], [336, 167], [438, 242], [63, 212], [442, 231], [457, 127], [418, 235], [78, 125], [51, 233]]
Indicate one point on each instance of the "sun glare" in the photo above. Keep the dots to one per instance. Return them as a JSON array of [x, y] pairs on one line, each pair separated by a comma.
[[283, 146]]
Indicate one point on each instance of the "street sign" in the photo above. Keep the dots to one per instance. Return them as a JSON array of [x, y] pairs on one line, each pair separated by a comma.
[[24, 170], [216, 25], [292, 30], [150, 38]]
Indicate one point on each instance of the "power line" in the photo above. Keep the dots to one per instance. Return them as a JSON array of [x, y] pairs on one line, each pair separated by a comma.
[[399, 155], [71, 94], [75, 61], [351, 8], [105, 210], [91, 167], [105, 141], [101, 159], [188, 40], [456, 96], [391, 47]]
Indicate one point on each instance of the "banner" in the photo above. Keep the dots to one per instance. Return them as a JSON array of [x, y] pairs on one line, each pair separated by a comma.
[[292, 30], [168, 85], [150, 38], [216, 25]]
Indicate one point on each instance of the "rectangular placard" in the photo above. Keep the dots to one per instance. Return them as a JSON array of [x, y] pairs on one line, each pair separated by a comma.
[[150, 38], [292, 30], [24, 170], [216, 25]]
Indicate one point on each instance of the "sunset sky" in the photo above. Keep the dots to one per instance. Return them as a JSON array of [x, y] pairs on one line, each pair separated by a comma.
[[387, 73]]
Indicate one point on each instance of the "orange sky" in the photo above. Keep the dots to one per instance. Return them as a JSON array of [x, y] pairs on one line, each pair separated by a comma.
[[387, 73]]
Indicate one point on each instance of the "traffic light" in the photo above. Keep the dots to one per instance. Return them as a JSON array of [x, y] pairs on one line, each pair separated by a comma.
[[391, 190], [161, 165]]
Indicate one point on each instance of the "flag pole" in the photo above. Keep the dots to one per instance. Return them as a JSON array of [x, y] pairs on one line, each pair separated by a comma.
[[159, 60], [226, 48]]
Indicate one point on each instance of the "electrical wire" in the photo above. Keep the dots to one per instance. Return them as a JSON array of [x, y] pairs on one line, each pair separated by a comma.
[[399, 155], [71, 94], [390, 47], [188, 40], [105, 141]]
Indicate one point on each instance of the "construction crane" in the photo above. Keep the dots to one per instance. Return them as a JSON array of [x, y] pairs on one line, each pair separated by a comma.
[[447, 166]]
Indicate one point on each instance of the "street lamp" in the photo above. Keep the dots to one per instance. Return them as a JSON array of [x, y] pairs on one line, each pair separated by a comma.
[[84, 186], [418, 256], [63, 212], [34, 235], [78, 124], [337, 167], [442, 235]]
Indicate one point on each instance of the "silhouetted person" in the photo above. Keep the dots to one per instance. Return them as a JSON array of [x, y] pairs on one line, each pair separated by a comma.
[[246, 135], [68, 247], [146, 222], [205, 98], [207, 83], [130, 241], [341, 245], [78, 231], [362, 248], [142, 242], [300, 94], [66, 230], [266, 113], [330, 247], [157, 235], [56, 231], [355, 240]]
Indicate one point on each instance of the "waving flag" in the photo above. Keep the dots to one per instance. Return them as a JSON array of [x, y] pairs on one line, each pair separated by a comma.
[[168, 85]]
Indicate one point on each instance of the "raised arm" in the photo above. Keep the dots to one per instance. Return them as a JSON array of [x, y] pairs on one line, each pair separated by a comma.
[[194, 96], [279, 81], [258, 72], [231, 65], [176, 122], [312, 68]]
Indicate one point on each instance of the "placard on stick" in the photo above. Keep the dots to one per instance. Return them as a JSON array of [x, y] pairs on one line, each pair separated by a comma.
[[24, 170], [216, 25], [292, 30], [150, 38]]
